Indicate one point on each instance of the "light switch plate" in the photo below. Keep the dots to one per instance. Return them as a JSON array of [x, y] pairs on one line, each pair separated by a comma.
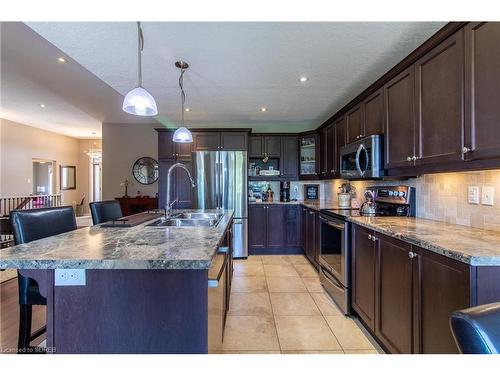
[[473, 197], [487, 197], [69, 277]]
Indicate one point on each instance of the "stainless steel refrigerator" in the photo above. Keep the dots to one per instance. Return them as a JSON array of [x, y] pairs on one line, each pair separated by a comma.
[[221, 183]]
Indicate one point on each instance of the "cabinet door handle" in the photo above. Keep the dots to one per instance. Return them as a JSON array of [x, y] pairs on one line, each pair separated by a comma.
[[465, 150], [408, 158], [311, 213], [369, 236], [413, 158], [411, 255]]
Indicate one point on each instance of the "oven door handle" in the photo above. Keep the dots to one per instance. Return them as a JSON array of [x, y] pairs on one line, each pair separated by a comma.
[[332, 279], [332, 224]]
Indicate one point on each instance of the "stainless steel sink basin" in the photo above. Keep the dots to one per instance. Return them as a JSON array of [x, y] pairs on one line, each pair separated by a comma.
[[199, 216], [188, 219]]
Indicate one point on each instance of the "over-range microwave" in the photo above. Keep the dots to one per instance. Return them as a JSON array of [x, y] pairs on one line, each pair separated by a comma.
[[362, 159]]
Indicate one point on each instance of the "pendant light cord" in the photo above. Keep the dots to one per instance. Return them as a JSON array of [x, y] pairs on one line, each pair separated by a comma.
[[183, 95], [140, 47]]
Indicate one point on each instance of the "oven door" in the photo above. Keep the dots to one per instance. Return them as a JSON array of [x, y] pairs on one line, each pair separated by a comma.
[[334, 243]]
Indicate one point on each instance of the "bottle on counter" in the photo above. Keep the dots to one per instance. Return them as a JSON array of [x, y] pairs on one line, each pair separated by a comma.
[[269, 193]]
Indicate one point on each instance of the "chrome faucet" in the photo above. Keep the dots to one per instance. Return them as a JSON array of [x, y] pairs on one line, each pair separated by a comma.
[[169, 204]]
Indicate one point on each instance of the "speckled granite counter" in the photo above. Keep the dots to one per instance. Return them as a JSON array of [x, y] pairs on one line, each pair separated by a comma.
[[473, 246], [138, 247]]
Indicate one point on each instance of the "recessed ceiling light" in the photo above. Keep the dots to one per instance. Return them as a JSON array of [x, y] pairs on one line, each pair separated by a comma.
[[303, 79], [62, 60], [42, 105], [187, 109], [263, 109]]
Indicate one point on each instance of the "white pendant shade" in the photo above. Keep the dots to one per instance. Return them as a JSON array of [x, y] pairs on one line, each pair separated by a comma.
[[140, 102], [183, 135]]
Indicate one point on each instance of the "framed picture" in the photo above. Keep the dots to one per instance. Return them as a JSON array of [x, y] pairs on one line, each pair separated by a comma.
[[67, 177]]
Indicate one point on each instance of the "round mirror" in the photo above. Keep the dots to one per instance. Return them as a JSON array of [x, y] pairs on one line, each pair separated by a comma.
[[145, 170]]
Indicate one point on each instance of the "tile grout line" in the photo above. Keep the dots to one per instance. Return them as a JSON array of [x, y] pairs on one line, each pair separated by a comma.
[[274, 316]]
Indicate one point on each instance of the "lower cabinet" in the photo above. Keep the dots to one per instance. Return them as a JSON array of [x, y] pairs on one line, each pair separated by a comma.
[[405, 294], [312, 240], [280, 227]]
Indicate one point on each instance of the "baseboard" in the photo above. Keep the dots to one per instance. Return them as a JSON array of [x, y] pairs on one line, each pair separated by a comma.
[[277, 251]]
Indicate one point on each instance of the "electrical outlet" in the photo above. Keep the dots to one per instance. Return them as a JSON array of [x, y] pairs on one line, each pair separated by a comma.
[[473, 197], [69, 277], [487, 196]]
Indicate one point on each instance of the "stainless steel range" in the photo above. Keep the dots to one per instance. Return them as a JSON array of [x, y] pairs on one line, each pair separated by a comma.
[[335, 246]]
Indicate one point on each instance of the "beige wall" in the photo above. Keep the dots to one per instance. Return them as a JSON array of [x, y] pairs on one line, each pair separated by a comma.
[[122, 145], [20, 144]]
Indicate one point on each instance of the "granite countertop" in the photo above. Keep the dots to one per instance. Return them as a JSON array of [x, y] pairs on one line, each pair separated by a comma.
[[473, 246], [138, 247]]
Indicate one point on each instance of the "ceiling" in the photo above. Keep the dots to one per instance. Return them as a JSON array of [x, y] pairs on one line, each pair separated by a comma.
[[75, 101], [235, 68]]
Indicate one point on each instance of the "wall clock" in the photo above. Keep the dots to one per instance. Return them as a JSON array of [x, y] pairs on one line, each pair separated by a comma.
[[145, 170]]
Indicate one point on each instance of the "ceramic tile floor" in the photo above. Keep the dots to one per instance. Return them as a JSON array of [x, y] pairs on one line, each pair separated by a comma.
[[278, 306]]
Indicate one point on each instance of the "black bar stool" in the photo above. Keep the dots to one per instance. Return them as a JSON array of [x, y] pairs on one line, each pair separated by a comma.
[[105, 211], [477, 330], [31, 225]]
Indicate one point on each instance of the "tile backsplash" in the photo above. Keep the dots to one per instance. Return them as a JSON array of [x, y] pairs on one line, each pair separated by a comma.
[[441, 197]]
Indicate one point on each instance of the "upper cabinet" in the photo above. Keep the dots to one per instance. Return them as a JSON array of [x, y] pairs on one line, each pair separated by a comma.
[[308, 156], [355, 124], [168, 149], [399, 120], [282, 154], [439, 102], [220, 140], [374, 114], [482, 83], [289, 166]]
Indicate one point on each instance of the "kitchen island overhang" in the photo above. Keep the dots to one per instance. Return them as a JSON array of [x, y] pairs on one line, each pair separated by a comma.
[[146, 288]]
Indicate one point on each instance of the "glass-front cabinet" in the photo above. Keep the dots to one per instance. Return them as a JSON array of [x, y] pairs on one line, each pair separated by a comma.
[[308, 155]]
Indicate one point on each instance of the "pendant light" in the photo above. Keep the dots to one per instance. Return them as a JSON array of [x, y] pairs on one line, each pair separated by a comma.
[[182, 134], [138, 101]]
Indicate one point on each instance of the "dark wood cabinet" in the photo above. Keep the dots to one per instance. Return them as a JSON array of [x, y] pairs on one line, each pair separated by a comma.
[[328, 152], [255, 146], [309, 156], [374, 114], [220, 140], [393, 302], [406, 294], [340, 140], [439, 77], [206, 141], [289, 161], [482, 85], [257, 226], [303, 227], [181, 188], [293, 227], [234, 141], [272, 146], [363, 275], [275, 223], [400, 120], [312, 236], [266, 224], [168, 149], [442, 285], [355, 126]]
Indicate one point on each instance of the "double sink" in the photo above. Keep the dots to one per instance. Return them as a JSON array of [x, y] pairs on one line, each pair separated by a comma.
[[188, 219]]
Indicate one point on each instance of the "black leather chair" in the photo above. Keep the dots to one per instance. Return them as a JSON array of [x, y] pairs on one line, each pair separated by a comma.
[[105, 211], [477, 330], [27, 226]]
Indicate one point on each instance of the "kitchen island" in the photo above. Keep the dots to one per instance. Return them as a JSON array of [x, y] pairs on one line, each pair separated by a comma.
[[144, 289]]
